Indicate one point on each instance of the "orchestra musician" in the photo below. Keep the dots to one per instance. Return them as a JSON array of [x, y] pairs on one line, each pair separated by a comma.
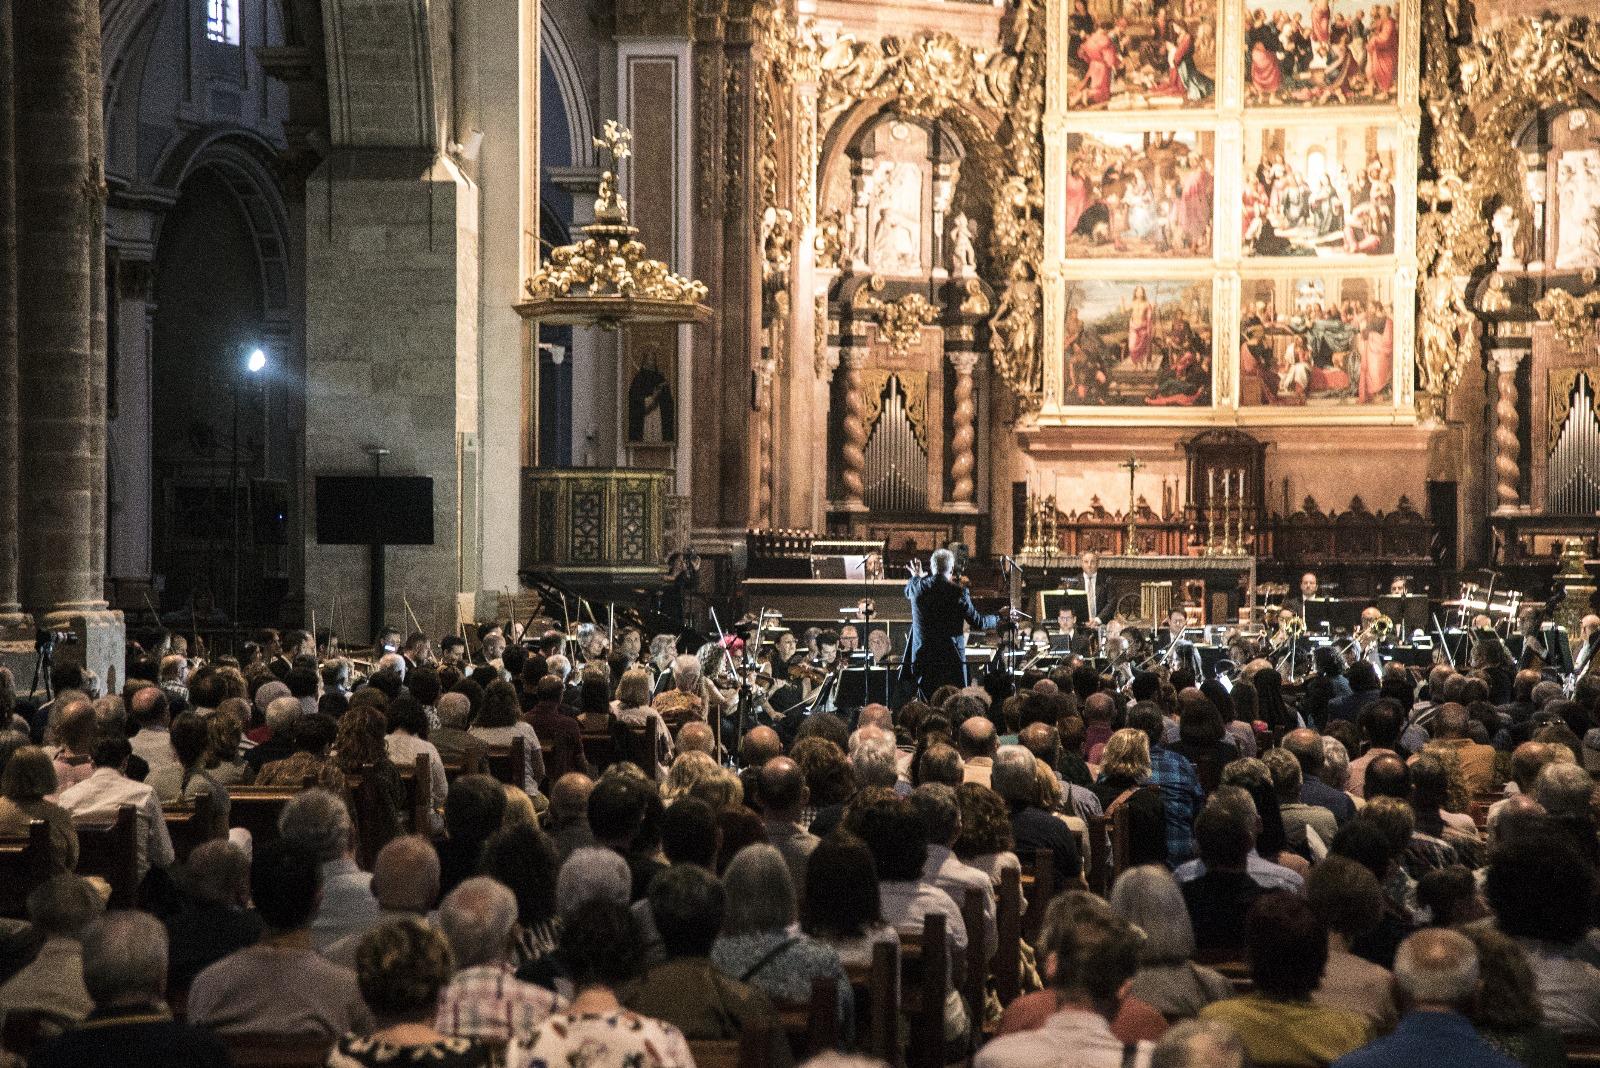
[[1298, 604], [1587, 662], [1100, 599], [592, 643], [1069, 637], [683, 571], [941, 610], [879, 648], [1177, 652], [849, 640], [1543, 641]]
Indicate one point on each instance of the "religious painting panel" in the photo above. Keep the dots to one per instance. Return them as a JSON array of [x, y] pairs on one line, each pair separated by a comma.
[[651, 381], [1321, 53], [1140, 194], [1317, 340], [1145, 344], [1575, 166], [1319, 190], [1141, 54]]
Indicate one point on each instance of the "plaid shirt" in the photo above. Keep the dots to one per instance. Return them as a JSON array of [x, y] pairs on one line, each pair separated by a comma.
[[490, 1004], [1182, 797]]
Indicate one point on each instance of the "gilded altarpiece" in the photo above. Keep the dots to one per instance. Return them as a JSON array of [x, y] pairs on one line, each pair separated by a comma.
[[1229, 213]]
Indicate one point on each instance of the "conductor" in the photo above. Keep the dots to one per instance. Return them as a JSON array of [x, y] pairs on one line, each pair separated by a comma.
[[936, 651]]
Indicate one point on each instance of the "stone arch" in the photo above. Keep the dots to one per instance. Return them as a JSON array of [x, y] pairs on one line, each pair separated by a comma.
[[556, 53]]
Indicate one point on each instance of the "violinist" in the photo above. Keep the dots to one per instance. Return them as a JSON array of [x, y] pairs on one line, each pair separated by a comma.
[[879, 648], [663, 647], [592, 644], [630, 643]]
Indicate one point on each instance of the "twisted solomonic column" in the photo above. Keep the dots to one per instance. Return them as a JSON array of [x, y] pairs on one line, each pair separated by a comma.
[[962, 458], [764, 407], [854, 449], [1507, 443]]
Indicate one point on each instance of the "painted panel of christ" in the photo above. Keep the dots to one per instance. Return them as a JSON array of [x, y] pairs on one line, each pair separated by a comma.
[[1318, 190], [1141, 54], [1309, 53], [1137, 343], [1316, 341], [1139, 195]]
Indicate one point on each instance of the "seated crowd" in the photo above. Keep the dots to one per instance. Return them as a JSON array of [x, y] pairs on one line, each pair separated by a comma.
[[1406, 879]]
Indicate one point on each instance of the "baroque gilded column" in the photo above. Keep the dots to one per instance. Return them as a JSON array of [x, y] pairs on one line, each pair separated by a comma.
[[854, 449], [10, 608], [1507, 442], [963, 461], [765, 368]]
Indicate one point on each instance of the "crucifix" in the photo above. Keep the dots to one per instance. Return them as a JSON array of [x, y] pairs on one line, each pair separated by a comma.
[[1134, 466]]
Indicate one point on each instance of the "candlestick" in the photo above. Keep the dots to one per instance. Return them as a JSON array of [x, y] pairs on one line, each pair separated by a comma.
[[1211, 485]]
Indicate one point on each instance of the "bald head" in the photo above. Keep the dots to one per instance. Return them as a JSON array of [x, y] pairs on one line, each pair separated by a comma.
[[876, 715], [781, 788], [569, 797], [696, 737], [405, 875], [1040, 740], [455, 710], [1306, 745], [1437, 969], [1099, 708], [976, 738], [760, 745]]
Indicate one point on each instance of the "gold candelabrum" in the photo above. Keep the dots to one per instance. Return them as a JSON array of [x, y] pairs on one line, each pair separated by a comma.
[[1040, 534], [1228, 509]]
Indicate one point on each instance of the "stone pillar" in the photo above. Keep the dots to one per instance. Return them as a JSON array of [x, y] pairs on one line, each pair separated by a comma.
[[94, 140], [59, 214], [392, 345], [964, 419], [1507, 442], [853, 451], [10, 607]]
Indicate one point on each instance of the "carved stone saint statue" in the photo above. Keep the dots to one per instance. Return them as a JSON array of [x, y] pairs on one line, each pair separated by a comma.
[[1506, 229], [963, 260]]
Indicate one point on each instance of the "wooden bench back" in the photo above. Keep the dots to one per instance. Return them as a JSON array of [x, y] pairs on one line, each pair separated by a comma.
[[257, 808], [924, 963], [508, 763], [1008, 937], [189, 823], [25, 862], [110, 850]]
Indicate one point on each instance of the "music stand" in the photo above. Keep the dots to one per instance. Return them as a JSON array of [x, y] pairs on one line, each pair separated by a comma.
[[862, 686]]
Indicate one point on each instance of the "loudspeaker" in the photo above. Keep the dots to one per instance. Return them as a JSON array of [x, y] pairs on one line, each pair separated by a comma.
[[1442, 511]]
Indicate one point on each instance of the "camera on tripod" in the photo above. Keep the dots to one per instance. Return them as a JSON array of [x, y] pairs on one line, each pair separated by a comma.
[[45, 641]]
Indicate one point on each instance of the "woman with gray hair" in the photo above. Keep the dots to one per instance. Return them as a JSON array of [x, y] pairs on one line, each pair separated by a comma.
[[633, 707], [759, 944], [1149, 898]]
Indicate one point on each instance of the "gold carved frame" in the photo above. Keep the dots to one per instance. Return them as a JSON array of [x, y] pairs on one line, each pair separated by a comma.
[[1229, 120]]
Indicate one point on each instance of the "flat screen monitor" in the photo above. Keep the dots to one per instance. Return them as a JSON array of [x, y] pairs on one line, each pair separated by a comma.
[[374, 510]]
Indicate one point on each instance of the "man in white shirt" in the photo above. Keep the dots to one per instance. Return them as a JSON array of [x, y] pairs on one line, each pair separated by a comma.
[[149, 711], [107, 789], [319, 821], [1096, 955], [936, 804]]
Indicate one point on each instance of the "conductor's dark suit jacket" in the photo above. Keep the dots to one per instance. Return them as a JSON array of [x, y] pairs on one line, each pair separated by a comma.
[[936, 652]]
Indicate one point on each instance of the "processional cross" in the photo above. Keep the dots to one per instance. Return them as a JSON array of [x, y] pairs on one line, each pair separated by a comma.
[[1133, 467]]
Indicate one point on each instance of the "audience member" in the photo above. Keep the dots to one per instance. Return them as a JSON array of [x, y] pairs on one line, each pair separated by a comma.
[[402, 967], [1278, 1023], [125, 973], [101, 796], [213, 918], [1349, 902], [405, 883], [280, 986], [485, 1000], [319, 823], [1168, 979], [50, 988], [1436, 978]]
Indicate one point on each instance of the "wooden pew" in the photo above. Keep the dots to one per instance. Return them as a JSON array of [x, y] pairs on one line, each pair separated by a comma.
[[636, 743], [976, 971], [1008, 934], [257, 808], [417, 778], [749, 1050], [109, 849], [600, 750], [877, 993], [1097, 866], [812, 1026], [468, 764], [508, 763], [924, 961], [1038, 887], [276, 1051], [189, 823], [25, 862]]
